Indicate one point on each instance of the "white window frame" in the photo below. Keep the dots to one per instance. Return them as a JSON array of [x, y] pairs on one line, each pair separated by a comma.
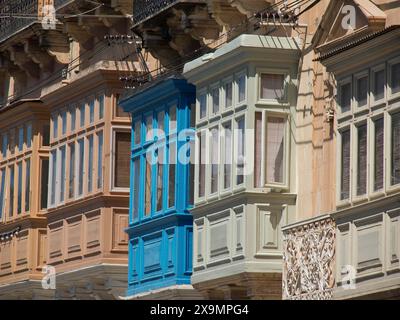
[[224, 122], [390, 94], [215, 86], [340, 83], [113, 132], [199, 200], [371, 145], [286, 81], [354, 161], [375, 69], [202, 91], [339, 201], [224, 82], [242, 186], [356, 77], [389, 187], [236, 102]]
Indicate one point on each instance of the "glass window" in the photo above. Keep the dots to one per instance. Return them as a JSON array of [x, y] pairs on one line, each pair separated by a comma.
[[91, 111], [345, 166], [44, 182], [136, 187], [101, 107], [272, 86], [362, 91], [172, 119], [361, 160], [227, 155], [20, 139], [82, 115], [214, 159], [2, 190], [345, 97], [379, 154], [46, 135], [228, 94], [160, 177], [90, 164], [379, 85], [147, 182], [80, 165], [161, 124], [171, 174], [122, 159], [202, 162], [55, 126], [395, 78], [203, 105], [4, 146], [241, 88], [215, 100], [73, 118], [12, 141], [100, 160], [62, 173], [137, 132], [276, 127], [27, 184], [71, 179], [28, 135], [149, 128], [53, 177], [240, 150], [64, 122], [258, 150], [19, 198], [11, 192], [395, 174]]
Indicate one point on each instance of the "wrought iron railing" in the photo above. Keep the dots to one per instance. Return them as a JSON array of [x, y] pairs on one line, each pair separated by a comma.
[[16, 15], [145, 9]]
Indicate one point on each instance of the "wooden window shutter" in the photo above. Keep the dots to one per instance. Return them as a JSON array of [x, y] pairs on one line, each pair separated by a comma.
[[122, 159], [345, 177], [362, 160]]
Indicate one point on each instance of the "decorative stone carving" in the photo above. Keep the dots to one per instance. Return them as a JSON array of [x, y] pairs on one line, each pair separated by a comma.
[[309, 254]]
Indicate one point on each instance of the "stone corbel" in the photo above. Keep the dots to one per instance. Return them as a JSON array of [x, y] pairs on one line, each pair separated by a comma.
[[56, 44], [21, 59], [85, 39], [225, 14], [39, 56]]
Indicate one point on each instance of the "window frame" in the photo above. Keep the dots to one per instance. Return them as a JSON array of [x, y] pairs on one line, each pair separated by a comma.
[[340, 84], [357, 76], [339, 171], [237, 76], [286, 80], [390, 63], [380, 67], [114, 130]]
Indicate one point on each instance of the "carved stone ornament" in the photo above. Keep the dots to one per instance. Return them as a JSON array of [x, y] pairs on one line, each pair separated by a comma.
[[309, 254]]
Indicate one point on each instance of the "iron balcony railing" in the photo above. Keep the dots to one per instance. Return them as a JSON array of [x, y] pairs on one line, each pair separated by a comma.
[[145, 9], [16, 15]]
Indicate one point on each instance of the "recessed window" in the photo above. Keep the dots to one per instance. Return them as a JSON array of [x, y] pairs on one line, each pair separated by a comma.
[[161, 124], [379, 154], [379, 85], [203, 105], [241, 82], [272, 86], [45, 135], [395, 78], [395, 174], [362, 160], [345, 165], [362, 91], [215, 100], [345, 97], [228, 94]]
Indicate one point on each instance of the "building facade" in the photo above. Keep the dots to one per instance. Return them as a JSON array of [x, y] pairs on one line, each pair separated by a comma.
[[160, 224]]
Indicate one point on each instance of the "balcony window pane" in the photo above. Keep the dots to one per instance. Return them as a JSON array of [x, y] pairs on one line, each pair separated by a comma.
[[172, 119], [28, 135], [19, 199], [4, 146], [62, 173], [122, 159], [241, 88], [258, 150], [362, 91], [2, 190], [100, 160], [137, 132], [362, 160], [21, 139], [240, 151], [345, 166], [345, 97], [136, 187], [203, 105], [27, 184], [395, 174], [55, 126], [53, 177], [91, 111], [80, 163], [82, 115], [228, 94], [147, 197], [46, 135], [11, 192], [161, 124], [149, 128], [228, 155], [202, 163], [272, 86], [101, 107], [276, 128], [379, 85], [379, 154], [215, 100], [64, 122], [90, 164], [71, 178], [214, 159], [44, 182], [395, 78], [73, 118], [160, 177], [171, 174]]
